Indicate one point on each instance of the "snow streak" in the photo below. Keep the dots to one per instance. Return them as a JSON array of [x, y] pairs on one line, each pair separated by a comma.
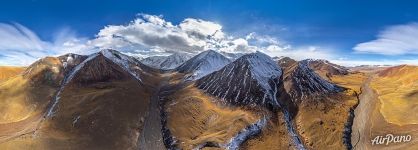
[[246, 133], [123, 61], [66, 80]]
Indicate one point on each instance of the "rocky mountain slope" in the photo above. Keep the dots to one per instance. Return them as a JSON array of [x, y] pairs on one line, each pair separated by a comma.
[[301, 82], [326, 69], [203, 64], [253, 102], [316, 98], [84, 101], [232, 56], [166, 62], [253, 79]]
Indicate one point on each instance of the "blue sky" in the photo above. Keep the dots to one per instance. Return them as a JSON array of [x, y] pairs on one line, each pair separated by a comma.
[[346, 32]]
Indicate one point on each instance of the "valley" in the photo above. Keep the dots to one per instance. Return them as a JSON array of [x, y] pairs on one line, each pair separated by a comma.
[[360, 137], [151, 136]]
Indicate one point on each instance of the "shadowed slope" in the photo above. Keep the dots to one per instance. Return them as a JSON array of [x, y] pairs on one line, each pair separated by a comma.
[[324, 109]]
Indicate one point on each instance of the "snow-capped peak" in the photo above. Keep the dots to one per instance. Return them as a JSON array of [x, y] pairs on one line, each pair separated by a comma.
[[263, 68], [203, 64], [166, 62], [127, 63], [232, 56], [277, 58], [174, 60], [251, 80]]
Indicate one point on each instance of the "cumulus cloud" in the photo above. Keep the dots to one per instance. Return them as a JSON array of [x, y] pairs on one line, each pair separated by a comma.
[[394, 40], [146, 35], [150, 33]]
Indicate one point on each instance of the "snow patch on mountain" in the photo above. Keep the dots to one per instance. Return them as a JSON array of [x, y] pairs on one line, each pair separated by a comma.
[[250, 80], [246, 133], [232, 56], [166, 62], [263, 68], [304, 65], [174, 60], [66, 80], [154, 61], [203, 64], [277, 58], [302, 81], [127, 63]]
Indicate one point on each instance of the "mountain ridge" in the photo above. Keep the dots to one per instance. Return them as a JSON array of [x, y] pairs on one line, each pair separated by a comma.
[[203, 64]]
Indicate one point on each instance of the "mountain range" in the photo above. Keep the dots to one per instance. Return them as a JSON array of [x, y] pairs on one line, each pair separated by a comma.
[[109, 100], [166, 62]]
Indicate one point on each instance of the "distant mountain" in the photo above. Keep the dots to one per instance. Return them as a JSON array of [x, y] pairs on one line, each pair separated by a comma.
[[301, 82], [399, 71], [325, 68], [139, 58], [154, 61], [166, 62], [175, 60], [253, 79], [232, 56], [277, 58], [284, 62], [203, 64]]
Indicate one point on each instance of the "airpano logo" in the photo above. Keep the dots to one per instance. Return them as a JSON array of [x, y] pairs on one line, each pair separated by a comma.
[[390, 138]]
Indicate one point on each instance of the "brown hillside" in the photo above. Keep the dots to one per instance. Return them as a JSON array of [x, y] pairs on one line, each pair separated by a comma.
[[7, 72]]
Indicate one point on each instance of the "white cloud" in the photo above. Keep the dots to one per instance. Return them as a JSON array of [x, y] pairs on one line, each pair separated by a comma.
[[202, 28], [299, 53], [152, 33], [19, 37], [346, 62], [20, 46], [394, 40], [146, 35]]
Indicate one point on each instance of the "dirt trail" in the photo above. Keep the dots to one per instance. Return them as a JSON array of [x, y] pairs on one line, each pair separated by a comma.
[[151, 137], [362, 122]]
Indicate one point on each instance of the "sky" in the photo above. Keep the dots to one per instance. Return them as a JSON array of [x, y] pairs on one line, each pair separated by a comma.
[[346, 32]]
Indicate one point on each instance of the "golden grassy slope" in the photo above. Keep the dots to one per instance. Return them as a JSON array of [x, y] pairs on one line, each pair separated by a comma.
[[24, 98], [97, 115], [397, 88], [6, 72], [194, 120], [28, 93], [19, 100], [104, 115], [353, 80], [321, 121]]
